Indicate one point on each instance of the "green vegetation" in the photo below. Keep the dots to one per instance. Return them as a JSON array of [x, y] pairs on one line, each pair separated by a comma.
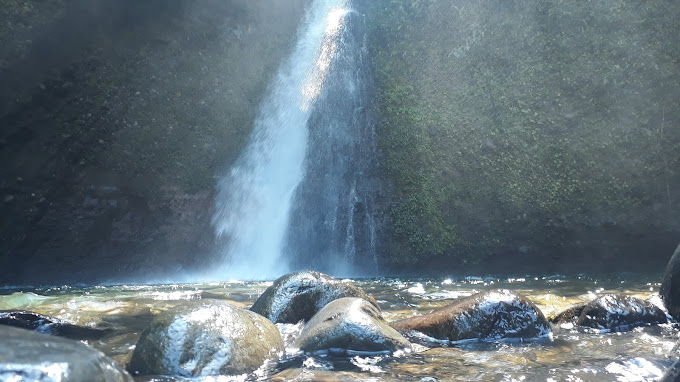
[[515, 126], [20, 17]]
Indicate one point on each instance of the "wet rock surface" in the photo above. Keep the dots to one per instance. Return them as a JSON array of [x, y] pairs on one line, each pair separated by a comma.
[[670, 285], [30, 356], [299, 295], [494, 314], [672, 374], [613, 312], [203, 339], [350, 323], [50, 325]]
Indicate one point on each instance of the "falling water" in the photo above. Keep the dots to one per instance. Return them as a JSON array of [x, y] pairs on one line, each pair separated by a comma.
[[332, 225], [256, 198]]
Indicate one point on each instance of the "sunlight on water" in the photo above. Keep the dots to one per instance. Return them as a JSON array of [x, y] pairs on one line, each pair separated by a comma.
[[22, 300], [312, 87], [572, 354]]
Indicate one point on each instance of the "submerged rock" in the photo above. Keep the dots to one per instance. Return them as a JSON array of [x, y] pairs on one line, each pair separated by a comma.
[[440, 361], [612, 312], [50, 325], [670, 286], [350, 323], [206, 338], [31, 356], [299, 295], [493, 314], [311, 375]]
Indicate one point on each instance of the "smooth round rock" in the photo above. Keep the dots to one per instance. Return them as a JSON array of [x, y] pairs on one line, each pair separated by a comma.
[[614, 313], [29, 356], [495, 314], [203, 339], [350, 323], [297, 296], [670, 286]]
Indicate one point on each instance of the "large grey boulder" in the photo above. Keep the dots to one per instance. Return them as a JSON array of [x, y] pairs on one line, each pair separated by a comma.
[[350, 323], [205, 338], [297, 296], [493, 314], [31, 356], [670, 286], [612, 312]]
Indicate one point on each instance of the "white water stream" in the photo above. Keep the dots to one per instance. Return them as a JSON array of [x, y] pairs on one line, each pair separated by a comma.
[[254, 199]]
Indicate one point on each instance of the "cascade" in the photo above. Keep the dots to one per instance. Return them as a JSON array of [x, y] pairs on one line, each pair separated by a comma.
[[299, 195]]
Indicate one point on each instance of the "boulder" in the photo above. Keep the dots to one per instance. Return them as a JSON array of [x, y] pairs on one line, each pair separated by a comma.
[[299, 295], [670, 286], [205, 338], [493, 314], [612, 312], [29, 356], [50, 325], [672, 374], [350, 323]]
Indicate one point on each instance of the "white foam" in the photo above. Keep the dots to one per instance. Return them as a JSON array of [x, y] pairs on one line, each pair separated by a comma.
[[635, 370], [43, 372], [416, 289], [176, 336]]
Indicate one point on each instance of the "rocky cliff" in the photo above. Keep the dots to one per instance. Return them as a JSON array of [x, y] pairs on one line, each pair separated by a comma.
[[529, 135], [116, 117]]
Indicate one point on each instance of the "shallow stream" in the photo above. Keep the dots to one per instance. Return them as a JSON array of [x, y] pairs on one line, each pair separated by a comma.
[[572, 354]]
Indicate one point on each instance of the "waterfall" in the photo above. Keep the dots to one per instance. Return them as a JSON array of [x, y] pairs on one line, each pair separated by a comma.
[[332, 227], [296, 195]]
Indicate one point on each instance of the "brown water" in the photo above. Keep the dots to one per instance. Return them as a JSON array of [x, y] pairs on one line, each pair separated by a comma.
[[572, 354]]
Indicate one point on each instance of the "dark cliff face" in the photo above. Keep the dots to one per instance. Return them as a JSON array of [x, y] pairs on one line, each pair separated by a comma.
[[115, 117], [537, 135]]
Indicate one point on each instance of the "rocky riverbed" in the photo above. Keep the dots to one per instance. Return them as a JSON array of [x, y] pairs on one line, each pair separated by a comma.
[[564, 351]]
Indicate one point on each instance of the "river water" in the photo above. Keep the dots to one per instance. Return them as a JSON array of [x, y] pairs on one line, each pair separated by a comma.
[[572, 354]]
